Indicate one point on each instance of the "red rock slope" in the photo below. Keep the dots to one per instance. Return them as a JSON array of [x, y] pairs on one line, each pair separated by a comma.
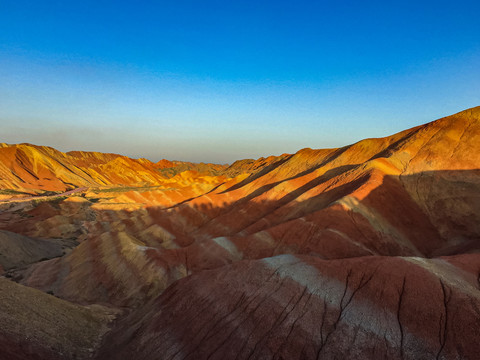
[[302, 307]]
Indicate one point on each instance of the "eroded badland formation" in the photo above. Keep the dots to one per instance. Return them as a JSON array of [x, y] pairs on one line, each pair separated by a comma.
[[370, 251]]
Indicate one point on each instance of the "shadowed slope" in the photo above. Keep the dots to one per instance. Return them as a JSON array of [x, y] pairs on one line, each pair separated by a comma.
[[39, 326], [141, 252], [18, 251], [289, 307], [329, 203]]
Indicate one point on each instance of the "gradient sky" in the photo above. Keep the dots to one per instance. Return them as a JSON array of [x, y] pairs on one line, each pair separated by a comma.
[[218, 81]]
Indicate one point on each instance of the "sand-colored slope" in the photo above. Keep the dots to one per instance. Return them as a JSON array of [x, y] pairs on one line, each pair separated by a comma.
[[31, 168], [35, 325]]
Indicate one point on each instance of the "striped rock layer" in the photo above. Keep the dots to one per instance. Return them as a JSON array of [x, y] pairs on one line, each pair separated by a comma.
[[366, 251]]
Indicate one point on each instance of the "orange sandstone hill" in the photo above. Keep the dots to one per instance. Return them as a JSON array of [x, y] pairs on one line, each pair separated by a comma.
[[36, 169], [369, 251]]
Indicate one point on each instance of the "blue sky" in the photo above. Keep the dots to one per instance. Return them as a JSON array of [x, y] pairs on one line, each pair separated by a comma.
[[222, 80]]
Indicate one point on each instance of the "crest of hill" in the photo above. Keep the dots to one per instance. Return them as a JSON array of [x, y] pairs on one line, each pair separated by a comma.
[[27, 168], [31, 168]]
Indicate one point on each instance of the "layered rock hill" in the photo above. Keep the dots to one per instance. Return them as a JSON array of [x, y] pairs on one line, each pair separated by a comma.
[[31, 169], [367, 251]]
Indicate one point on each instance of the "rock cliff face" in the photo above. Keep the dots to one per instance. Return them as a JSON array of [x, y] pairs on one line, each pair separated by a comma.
[[367, 251]]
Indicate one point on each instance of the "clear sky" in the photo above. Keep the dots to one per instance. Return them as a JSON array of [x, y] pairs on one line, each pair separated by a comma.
[[223, 80]]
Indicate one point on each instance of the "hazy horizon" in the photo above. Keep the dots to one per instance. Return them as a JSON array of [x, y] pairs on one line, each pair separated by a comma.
[[66, 150], [217, 82]]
